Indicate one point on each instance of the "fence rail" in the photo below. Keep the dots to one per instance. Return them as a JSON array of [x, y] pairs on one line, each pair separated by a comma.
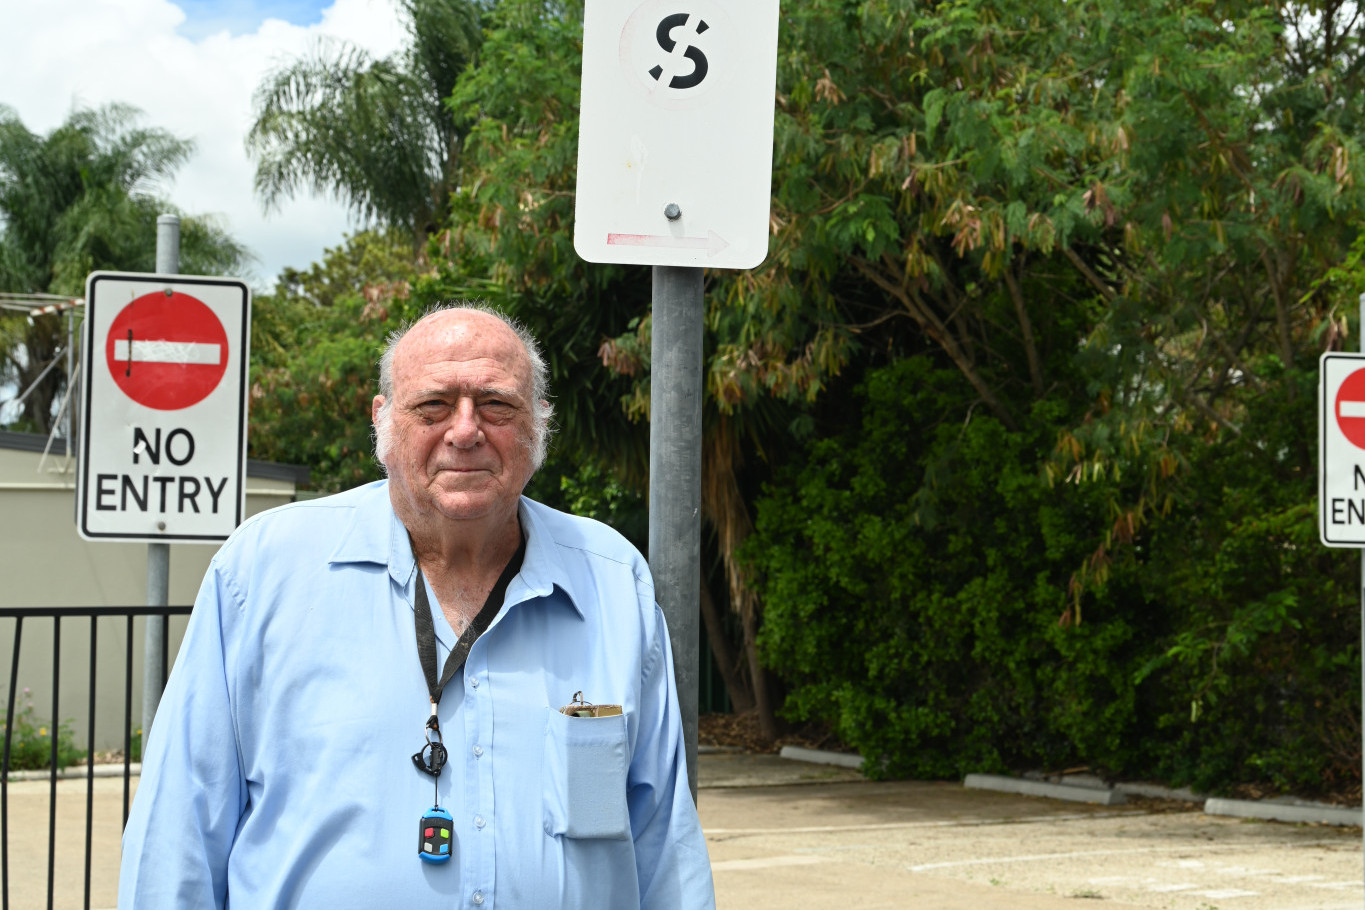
[[59, 615]]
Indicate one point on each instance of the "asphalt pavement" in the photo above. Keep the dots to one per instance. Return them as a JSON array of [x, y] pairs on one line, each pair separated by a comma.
[[788, 834], [791, 835]]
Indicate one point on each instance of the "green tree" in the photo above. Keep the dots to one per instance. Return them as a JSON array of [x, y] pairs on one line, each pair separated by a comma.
[[81, 198], [1113, 221], [1166, 182], [373, 133]]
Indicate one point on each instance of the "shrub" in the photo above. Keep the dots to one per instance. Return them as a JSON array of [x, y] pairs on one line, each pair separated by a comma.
[[31, 741], [916, 578], [913, 571]]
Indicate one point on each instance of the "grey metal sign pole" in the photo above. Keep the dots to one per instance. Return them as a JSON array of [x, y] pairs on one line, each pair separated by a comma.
[[158, 554], [675, 398]]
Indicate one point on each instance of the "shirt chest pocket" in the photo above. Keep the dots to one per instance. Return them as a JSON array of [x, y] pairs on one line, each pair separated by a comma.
[[584, 776]]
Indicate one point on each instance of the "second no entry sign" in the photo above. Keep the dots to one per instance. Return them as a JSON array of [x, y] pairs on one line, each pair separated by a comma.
[[1341, 449]]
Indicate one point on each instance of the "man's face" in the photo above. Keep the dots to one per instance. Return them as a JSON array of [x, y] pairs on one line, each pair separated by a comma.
[[461, 418]]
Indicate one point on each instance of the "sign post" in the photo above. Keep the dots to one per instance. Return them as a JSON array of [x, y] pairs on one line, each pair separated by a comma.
[[675, 171], [675, 409], [1341, 462], [154, 645]]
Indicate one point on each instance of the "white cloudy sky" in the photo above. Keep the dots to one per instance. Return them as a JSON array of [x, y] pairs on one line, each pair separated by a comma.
[[191, 66]]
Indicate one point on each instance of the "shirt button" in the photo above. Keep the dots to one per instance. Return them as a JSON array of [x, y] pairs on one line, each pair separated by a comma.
[[478, 751], [478, 821], [477, 898], [473, 682]]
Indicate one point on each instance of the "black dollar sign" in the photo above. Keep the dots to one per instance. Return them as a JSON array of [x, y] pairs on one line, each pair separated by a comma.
[[693, 53]]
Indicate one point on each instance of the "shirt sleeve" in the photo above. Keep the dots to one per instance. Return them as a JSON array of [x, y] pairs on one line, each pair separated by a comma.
[[670, 851], [191, 794]]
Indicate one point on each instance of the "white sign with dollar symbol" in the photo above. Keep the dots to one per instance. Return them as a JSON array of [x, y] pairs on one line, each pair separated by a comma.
[[676, 132]]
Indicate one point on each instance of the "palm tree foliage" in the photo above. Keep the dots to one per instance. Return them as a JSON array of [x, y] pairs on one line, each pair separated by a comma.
[[371, 132], [81, 198]]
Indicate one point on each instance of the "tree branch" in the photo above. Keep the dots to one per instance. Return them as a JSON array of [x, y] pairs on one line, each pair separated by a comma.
[[939, 334], [1202, 407], [1035, 370], [1281, 310], [1089, 275]]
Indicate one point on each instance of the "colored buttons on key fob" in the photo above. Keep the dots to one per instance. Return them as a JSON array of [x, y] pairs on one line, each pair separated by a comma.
[[434, 846]]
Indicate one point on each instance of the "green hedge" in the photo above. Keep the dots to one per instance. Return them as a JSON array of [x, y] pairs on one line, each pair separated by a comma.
[[916, 573]]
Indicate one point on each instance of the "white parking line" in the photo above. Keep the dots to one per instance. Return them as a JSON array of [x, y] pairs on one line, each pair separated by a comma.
[[767, 862], [1336, 886], [1136, 851], [896, 826]]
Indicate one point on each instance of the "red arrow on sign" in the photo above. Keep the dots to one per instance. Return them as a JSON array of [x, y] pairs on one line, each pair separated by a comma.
[[713, 243], [166, 351]]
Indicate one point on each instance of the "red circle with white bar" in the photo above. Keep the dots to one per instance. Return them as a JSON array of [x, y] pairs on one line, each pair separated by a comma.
[[1350, 408], [167, 351]]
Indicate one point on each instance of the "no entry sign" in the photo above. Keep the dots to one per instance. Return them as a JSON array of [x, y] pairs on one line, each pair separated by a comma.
[[1341, 450], [163, 427]]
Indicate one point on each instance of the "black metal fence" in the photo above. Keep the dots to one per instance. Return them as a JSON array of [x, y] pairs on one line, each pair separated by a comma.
[[60, 616], [713, 699]]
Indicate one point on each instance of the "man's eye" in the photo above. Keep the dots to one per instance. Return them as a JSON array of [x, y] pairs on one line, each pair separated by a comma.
[[433, 410], [497, 410]]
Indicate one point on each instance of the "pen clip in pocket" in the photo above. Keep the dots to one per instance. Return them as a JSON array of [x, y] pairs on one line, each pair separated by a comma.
[[581, 708]]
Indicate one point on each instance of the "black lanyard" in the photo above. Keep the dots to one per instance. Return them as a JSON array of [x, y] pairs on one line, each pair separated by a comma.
[[426, 630]]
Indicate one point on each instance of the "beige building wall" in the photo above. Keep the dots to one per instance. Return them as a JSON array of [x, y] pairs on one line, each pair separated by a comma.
[[45, 563]]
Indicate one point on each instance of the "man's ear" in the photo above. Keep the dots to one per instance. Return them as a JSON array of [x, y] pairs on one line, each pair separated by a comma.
[[374, 408]]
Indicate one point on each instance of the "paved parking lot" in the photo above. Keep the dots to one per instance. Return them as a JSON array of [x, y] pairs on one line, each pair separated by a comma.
[[851, 843], [790, 835]]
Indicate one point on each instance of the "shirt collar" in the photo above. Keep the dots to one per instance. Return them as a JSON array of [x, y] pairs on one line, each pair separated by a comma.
[[543, 569], [375, 535]]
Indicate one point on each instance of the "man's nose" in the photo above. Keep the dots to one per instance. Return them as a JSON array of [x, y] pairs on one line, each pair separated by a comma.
[[464, 430]]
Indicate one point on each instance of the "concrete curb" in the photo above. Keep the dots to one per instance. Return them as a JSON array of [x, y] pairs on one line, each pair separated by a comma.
[[1090, 789], [77, 772], [1101, 796], [1272, 810], [821, 757]]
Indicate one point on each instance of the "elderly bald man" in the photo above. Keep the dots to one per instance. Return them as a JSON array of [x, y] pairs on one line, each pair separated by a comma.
[[429, 691]]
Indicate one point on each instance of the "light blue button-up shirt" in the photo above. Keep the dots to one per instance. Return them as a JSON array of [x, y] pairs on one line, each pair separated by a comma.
[[279, 772]]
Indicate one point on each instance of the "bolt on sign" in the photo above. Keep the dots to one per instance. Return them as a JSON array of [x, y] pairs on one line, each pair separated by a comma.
[[162, 452], [1341, 449], [675, 144]]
